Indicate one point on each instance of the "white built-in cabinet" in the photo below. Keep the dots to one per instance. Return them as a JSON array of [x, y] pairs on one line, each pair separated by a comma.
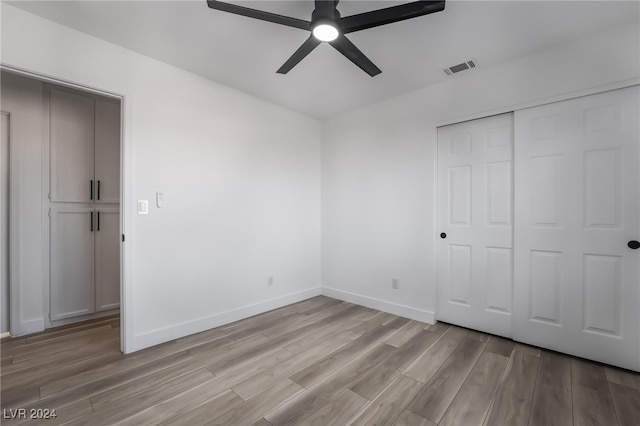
[[83, 210], [539, 222]]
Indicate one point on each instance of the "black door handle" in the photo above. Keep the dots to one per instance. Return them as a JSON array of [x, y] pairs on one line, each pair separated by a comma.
[[91, 228], [91, 189], [98, 221], [633, 244], [98, 191], [443, 235]]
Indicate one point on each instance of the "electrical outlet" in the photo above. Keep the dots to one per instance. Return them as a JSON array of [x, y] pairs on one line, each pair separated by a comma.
[[269, 281], [395, 283]]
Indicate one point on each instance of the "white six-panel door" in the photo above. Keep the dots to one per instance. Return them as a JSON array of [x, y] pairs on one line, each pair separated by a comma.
[[475, 224], [577, 190]]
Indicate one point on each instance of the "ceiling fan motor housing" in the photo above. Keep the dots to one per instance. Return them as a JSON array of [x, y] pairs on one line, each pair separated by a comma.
[[325, 16]]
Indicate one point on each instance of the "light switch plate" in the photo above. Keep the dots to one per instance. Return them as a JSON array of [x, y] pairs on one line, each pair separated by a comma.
[[143, 206], [159, 199]]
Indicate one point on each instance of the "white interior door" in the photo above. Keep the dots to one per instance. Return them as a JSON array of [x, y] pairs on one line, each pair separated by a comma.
[[107, 259], [72, 262], [475, 214], [576, 208]]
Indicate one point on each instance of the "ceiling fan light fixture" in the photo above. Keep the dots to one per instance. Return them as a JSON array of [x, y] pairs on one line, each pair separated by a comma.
[[325, 32]]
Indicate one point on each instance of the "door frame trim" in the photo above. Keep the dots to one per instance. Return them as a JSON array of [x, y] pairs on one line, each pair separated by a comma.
[[126, 326], [538, 102]]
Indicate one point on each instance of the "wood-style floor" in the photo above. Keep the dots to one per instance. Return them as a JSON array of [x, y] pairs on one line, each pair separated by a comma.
[[318, 362]]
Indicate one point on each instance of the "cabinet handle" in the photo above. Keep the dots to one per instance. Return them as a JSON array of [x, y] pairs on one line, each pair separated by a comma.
[[91, 228], [98, 191], [91, 189], [633, 244], [98, 216]]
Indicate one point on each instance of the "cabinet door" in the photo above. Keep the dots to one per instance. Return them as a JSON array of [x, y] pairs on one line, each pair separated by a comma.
[[107, 154], [72, 259], [72, 141], [107, 259]]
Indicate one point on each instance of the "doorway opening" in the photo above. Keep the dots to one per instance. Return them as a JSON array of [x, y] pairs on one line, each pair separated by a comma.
[[63, 205]]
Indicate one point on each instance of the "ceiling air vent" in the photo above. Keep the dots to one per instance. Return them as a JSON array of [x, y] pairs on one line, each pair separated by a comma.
[[460, 67]]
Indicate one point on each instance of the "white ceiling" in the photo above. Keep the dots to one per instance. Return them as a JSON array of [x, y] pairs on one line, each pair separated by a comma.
[[244, 53]]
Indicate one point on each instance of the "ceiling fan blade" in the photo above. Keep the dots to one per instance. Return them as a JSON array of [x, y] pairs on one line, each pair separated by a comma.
[[299, 54], [348, 49], [375, 18], [325, 8], [259, 14]]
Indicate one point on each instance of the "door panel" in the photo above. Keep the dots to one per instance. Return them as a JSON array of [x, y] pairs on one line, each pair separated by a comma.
[[577, 183], [475, 211], [107, 151], [71, 281], [72, 146], [108, 260]]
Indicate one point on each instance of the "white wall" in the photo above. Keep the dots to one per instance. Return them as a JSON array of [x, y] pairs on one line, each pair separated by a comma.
[[22, 99], [379, 163], [241, 179]]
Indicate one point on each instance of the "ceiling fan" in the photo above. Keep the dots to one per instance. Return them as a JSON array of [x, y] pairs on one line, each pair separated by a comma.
[[327, 25]]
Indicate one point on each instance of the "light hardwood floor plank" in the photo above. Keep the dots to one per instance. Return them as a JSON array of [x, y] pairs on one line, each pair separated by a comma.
[[512, 401], [256, 384], [396, 323], [372, 323], [427, 365], [555, 370], [592, 407], [500, 346], [626, 401], [298, 409], [48, 347], [405, 333], [339, 411], [623, 377], [407, 418], [471, 404], [122, 408], [375, 380], [252, 410], [551, 406], [64, 415], [434, 399], [391, 403], [139, 365], [335, 360], [205, 412], [317, 339]]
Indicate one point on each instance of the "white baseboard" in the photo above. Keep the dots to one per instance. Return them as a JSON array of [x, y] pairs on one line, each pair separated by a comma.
[[166, 334], [5, 334], [381, 305]]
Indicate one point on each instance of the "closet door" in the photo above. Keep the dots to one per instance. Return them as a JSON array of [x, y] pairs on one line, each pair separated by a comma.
[[474, 222], [107, 151], [72, 273], [107, 233], [576, 209], [72, 147]]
